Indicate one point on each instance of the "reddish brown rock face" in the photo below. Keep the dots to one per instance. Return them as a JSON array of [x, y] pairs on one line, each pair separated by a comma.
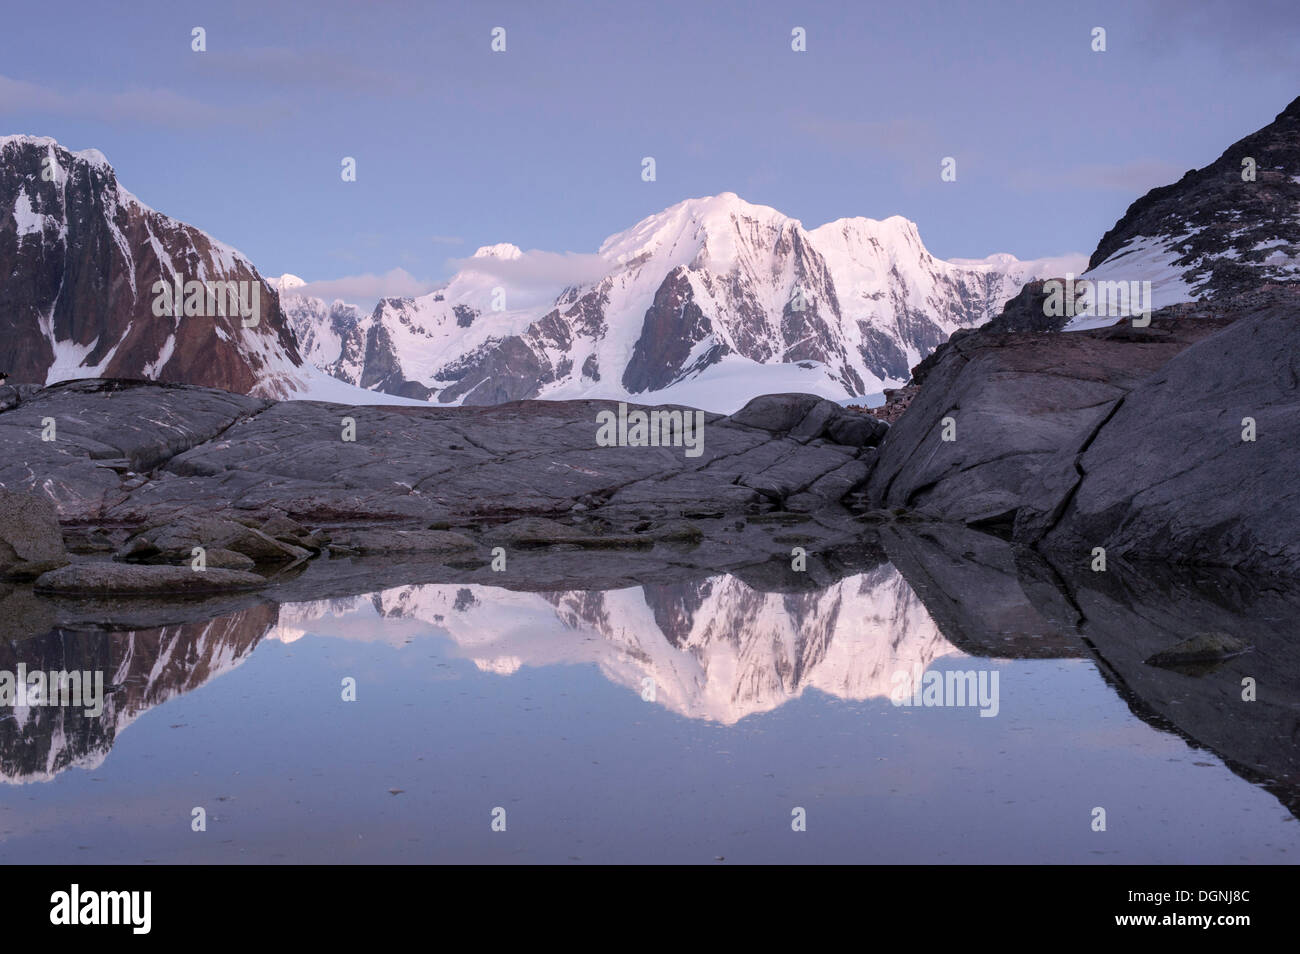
[[82, 257]]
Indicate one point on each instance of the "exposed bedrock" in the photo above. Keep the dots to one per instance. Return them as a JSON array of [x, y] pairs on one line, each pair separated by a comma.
[[1135, 440], [145, 473]]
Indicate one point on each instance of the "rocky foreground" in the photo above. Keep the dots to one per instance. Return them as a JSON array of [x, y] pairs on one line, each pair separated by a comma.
[[1178, 443], [143, 473]]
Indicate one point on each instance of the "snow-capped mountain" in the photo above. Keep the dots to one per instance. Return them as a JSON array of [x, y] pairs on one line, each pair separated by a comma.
[[711, 301], [97, 284], [1216, 231], [329, 336], [82, 256]]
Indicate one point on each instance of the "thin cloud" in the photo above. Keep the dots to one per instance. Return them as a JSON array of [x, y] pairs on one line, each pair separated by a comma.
[[1136, 176], [288, 67], [365, 290], [902, 138], [539, 270], [157, 107]]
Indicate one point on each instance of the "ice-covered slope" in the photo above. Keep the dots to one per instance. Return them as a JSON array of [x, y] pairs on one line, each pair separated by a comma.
[[711, 302]]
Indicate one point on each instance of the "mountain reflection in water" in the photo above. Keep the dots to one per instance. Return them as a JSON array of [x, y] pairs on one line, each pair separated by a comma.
[[718, 650]]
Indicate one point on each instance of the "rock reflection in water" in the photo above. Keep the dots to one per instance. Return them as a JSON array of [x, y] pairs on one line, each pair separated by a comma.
[[719, 648]]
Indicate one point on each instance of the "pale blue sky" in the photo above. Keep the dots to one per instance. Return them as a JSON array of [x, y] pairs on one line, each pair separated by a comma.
[[541, 146]]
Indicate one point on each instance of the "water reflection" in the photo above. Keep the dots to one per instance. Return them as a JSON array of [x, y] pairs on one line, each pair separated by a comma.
[[715, 649], [142, 669], [722, 648]]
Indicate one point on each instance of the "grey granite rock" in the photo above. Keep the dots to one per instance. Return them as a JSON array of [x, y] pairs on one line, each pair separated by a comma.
[[1169, 477], [173, 541], [149, 472], [1125, 439], [806, 417], [31, 541], [385, 540], [228, 560], [121, 579]]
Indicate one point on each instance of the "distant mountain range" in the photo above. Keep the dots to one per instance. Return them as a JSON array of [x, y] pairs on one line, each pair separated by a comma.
[[710, 302]]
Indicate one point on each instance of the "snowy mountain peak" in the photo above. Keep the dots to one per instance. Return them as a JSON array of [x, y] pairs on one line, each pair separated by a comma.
[[681, 231], [895, 232], [710, 302]]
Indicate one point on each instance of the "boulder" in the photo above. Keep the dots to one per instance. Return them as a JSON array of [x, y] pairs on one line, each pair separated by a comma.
[[31, 541], [777, 413], [173, 542], [807, 417], [1207, 647], [856, 429], [217, 558]]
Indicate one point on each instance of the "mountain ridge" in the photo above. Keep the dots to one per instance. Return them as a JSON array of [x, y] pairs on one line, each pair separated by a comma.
[[711, 288]]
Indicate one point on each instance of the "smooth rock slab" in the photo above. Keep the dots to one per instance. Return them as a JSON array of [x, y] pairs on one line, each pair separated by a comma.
[[148, 454], [123, 579], [383, 540]]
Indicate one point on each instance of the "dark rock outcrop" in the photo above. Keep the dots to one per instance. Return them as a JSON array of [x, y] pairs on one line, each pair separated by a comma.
[[1028, 311], [1223, 233], [1126, 439], [1170, 477]]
